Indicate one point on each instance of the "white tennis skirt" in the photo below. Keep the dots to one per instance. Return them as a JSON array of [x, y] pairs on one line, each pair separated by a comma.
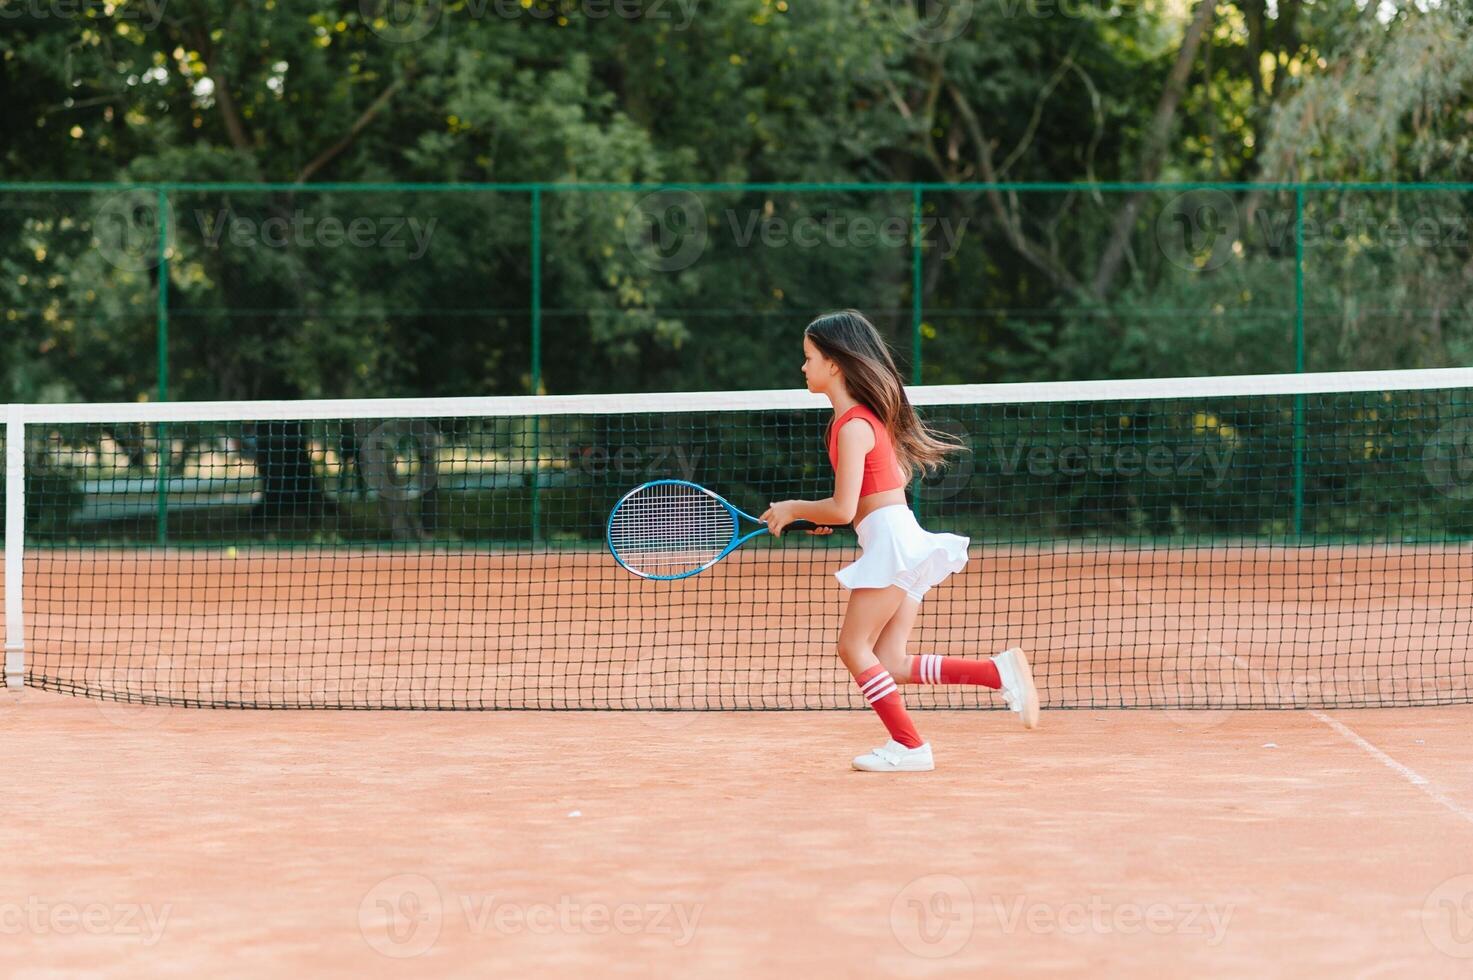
[[898, 551]]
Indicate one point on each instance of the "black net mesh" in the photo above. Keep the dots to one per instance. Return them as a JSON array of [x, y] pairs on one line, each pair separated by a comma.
[[1186, 552]]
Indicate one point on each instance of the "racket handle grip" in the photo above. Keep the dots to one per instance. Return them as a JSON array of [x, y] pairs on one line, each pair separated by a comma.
[[801, 526]]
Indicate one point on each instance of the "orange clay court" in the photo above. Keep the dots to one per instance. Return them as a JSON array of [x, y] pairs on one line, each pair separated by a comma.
[[164, 841]]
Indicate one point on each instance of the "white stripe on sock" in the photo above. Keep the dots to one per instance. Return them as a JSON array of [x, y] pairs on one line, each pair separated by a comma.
[[881, 692], [880, 678]]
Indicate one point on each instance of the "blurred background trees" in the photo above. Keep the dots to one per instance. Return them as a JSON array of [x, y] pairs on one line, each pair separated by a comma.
[[325, 292]]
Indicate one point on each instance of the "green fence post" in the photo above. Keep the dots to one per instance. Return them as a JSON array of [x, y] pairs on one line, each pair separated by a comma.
[[161, 469], [536, 360], [1298, 359], [916, 269]]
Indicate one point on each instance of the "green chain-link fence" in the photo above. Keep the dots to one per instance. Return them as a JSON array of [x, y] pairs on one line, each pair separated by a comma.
[[169, 291], [121, 292]]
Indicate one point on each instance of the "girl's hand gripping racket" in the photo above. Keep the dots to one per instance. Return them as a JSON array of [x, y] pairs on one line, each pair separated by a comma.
[[670, 529]]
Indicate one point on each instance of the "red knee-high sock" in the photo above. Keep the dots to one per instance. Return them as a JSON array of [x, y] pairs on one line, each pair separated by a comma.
[[880, 691], [930, 668]]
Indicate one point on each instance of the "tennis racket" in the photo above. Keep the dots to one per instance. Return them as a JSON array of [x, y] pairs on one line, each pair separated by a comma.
[[671, 529]]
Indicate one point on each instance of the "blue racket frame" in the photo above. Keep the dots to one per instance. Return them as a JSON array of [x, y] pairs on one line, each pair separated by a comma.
[[737, 539]]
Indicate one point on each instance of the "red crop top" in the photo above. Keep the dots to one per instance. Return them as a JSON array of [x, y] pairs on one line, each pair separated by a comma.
[[881, 470]]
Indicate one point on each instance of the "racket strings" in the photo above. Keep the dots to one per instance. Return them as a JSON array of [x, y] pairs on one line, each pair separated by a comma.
[[669, 529]]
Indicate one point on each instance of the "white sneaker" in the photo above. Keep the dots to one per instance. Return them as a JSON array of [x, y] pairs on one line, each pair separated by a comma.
[[1017, 684], [894, 757]]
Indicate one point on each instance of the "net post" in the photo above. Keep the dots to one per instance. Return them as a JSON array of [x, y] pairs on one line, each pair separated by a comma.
[[161, 471], [1298, 360], [15, 531], [536, 360]]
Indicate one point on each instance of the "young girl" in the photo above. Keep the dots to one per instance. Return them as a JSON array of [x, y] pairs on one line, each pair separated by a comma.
[[875, 442]]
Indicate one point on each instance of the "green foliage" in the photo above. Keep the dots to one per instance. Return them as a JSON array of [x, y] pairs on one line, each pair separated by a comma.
[[751, 90]]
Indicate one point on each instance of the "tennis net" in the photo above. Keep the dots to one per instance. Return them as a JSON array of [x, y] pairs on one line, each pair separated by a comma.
[[1256, 542]]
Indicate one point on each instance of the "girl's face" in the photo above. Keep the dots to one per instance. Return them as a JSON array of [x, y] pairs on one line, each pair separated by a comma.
[[820, 372]]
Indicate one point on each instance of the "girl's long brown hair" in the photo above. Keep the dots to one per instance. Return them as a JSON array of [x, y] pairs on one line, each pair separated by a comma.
[[853, 343]]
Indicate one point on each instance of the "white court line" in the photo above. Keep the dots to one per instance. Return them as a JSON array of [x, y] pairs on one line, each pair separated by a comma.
[[1406, 772]]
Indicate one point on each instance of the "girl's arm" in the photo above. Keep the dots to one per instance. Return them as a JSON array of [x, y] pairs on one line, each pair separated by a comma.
[[856, 439]]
